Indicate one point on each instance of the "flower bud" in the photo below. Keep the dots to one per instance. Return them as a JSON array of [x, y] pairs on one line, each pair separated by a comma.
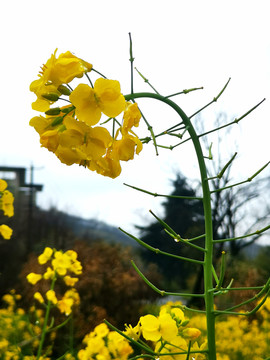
[[191, 333], [64, 90], [67, 110], [50, 96], [53, 111]]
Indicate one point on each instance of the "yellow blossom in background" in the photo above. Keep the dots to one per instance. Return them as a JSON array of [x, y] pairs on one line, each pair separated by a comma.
[[70, 298], [6, 199], [177, 346], [133, 332], [33, 278], [50, 295], [45, 256], [101, 330], [70, 281], [5, 231], [6, 203], [49, 274], [38, 297], [103, 344], [3, 185]]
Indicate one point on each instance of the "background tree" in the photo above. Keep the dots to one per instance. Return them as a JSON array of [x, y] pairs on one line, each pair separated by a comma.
[[185, 217]]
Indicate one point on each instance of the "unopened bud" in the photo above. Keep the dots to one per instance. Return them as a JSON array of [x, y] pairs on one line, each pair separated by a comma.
[[63, 90], [68, 109], [191, 333], [53, 111], [50, 96]]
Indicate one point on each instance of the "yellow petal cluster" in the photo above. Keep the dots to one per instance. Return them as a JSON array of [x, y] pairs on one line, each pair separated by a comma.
[[61, 266], [6, 231], [168, 332], [74, 132], [105, 344], [6, 205], [55, 72]]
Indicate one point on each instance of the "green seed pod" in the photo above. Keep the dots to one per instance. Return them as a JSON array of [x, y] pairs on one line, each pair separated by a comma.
[[64, 90], [58, 120], [50, 96], [53, 111]]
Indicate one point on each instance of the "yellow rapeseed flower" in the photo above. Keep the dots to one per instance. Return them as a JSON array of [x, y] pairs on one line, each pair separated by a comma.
[[49, 274], [3, 185], [65, 305], [5, 231], [6, 203], [45, 256], [131, 117], [55, 72], [50, 295], [70, 281], [38, 297], [33, 278], [104, 98]]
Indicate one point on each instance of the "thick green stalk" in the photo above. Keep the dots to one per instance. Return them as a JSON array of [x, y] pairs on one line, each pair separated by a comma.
[[208, 259]]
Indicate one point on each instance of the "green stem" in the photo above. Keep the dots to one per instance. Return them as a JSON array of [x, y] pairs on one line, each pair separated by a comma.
[[208, 258], [46, 319]]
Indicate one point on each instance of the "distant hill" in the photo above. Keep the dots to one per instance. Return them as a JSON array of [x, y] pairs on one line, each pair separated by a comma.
[[96, 230]]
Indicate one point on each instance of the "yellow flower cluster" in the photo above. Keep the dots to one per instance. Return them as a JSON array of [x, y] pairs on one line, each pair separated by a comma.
[[6, 204], [105, 344], [169, 333], [69, 131], [15, 329], [62, 265], [240, 338]]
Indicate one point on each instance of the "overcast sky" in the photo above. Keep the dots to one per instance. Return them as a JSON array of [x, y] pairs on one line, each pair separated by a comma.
[[177, 45]]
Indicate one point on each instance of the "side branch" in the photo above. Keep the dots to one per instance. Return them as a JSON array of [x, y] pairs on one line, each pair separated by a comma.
[[161, 292], [242, 182], [157, 251], [215, 99], [235, 121], [257, 232], [163, 195]]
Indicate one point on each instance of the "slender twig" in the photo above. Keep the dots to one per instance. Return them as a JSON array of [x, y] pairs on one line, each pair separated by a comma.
[[146, 80], [242, 182], [162, 292], [215, 99], [186, 91], [162, 195], [131, 59], [99, 73], [243, 236], [158, 251], [235, 121]]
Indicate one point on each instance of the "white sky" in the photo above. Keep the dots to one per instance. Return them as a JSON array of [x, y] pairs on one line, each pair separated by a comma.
[[180, 45]]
